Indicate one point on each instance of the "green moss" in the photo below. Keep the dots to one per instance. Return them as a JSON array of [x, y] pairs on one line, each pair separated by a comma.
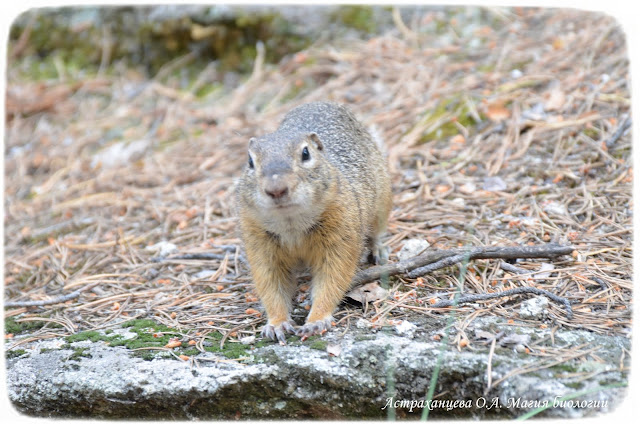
[[231, 350], [574, 385], [363, 337], [150, 334], [234, 350], [55, 44], [80, 352], [565, 367], [208, 89], [145, 324], [440, 122], [11, 326], [357, 17], [15, 353], [215, 336], [93, 336], [485, 68], [147, 355], [319, 345], [591, 133]]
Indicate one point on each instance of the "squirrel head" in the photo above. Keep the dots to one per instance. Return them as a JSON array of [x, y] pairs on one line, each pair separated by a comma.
[[286, 173]]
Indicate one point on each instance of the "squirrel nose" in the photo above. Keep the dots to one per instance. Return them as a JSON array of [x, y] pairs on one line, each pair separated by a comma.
[[276, 192]]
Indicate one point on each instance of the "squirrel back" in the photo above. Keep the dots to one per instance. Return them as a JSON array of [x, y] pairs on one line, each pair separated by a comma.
[[348, 145]]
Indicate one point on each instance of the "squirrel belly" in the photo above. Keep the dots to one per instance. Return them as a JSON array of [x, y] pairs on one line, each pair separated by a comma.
[[316, 191]]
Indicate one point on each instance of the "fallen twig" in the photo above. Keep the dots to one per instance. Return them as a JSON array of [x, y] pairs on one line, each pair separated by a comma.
[[505, 266], [603, 285], [433, 260], [518, 290], [619, 132], [59, 299], [197, 256]]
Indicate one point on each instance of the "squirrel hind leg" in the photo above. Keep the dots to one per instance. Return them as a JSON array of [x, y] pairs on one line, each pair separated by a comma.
[[378, 252]]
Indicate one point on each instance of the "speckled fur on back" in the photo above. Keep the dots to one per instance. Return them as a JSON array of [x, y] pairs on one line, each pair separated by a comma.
[[349, 147], [315, 191]]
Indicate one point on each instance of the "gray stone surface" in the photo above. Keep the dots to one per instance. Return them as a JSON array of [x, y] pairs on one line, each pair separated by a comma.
[[300, 381], [534, 308], [411, 248]]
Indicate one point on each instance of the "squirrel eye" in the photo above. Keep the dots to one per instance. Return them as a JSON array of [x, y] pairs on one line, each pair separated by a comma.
[[250, 162], [305, 154]]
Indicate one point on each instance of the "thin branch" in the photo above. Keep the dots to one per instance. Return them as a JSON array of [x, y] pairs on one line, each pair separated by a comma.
[[59, 299], [518, 290], [505, 266], [432, 260], [603, 285], [619, 132], [197, 256], [442, 263]]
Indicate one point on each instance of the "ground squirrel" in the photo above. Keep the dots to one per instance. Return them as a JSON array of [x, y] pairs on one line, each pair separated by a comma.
[[317, 192]]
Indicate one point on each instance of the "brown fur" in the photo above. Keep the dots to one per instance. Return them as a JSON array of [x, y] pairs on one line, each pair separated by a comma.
[[353, 212]]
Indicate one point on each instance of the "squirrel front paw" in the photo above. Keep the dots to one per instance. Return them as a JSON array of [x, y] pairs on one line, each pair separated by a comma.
[[277, 332], [314, 327]]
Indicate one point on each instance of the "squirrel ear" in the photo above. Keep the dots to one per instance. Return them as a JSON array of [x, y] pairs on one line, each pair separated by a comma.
[[252, 141], [316, 140]]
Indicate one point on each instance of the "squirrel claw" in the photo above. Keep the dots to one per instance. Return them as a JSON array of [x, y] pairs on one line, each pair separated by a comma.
[[277, 332], [313, 328]]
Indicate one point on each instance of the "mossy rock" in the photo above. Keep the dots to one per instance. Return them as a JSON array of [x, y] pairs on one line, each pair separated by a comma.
[[151, 334], [74, 38]]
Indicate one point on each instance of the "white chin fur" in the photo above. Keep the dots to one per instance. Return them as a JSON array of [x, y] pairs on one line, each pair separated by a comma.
[[292, 222]]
